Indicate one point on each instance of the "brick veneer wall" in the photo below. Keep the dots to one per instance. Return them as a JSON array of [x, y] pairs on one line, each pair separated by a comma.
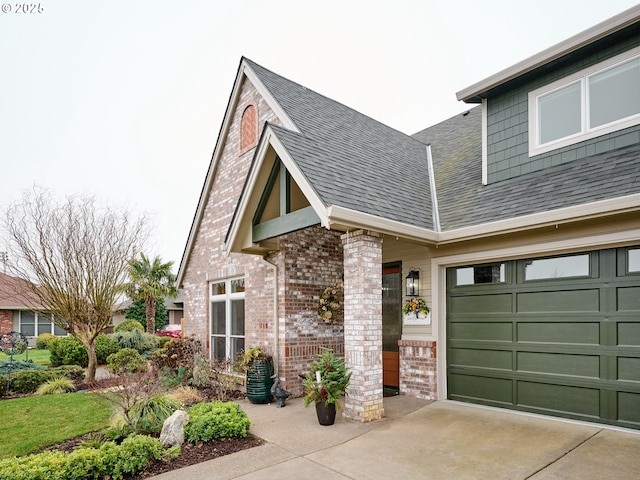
[[6, 321], [363, 324], [418, 368], [207, 260], [309, 260]]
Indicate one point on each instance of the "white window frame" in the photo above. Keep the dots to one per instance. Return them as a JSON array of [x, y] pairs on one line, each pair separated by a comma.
[[586, 133], [36, 327], [227, 298]]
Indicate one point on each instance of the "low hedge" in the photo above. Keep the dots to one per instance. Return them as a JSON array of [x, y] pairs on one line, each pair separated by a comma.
[[108, 461], [214, 420], [28, 381]]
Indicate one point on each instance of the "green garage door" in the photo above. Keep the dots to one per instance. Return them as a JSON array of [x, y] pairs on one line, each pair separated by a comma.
[[557, 336]]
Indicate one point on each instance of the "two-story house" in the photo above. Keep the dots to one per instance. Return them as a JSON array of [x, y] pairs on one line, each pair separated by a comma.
[[518, 222]]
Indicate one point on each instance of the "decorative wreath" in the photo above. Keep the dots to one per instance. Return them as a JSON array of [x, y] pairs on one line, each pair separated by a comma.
[[415, 305], [329, 304]]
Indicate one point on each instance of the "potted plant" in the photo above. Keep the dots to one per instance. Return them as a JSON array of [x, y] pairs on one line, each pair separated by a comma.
[[258, 368], [325, 384]]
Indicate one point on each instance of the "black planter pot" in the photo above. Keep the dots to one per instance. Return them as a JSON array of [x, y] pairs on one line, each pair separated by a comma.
[[259, 381], [326, 413]]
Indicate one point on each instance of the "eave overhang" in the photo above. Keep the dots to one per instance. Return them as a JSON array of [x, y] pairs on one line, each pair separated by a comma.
[[476, 92]]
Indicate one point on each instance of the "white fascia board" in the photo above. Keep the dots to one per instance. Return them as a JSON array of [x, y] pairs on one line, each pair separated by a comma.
[[351, 218], [537, 220], [244, 70], [269, 98], [601, 30], [292, 167], [270, 139]]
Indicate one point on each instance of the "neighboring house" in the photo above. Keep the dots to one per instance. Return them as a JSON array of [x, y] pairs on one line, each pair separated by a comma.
[[174, 310], [521, 218], [21, 312]]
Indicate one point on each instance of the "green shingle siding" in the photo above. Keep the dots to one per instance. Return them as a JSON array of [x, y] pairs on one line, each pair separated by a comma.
[[508, 123]]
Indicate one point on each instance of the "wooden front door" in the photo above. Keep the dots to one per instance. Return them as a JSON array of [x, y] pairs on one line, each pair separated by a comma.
[[391, 323]]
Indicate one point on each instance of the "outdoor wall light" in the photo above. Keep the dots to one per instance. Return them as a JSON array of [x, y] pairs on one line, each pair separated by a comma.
[[412, 283]]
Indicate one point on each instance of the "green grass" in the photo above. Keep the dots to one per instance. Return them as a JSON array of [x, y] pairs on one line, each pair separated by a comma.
[[38, 356], [32, 423]]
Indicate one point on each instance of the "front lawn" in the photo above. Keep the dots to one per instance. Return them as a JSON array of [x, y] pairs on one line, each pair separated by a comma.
[[38, 356], [32, 423]]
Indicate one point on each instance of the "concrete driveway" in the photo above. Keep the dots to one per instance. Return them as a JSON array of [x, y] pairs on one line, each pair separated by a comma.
[[422, 440]]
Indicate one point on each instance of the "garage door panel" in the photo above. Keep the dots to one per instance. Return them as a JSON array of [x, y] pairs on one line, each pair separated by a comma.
[[559, 301], [584, 333], [498, 390], [495, 331], [495, 359], [629, 408], [481, 303], [629, 369], [628, 333], [629, 299], [559, 398], [559, 364]]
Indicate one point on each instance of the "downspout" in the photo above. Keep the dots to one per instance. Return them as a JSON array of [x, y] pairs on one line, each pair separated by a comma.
[[276, 320], [434, 195]]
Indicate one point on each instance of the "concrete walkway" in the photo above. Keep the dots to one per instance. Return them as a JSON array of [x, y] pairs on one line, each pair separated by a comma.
[[418, 439]]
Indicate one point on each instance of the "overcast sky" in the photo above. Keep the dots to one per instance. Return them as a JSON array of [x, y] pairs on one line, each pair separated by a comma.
[[124, 99]]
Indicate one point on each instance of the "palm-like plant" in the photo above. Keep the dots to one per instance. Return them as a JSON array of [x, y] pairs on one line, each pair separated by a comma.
[[150, 280]]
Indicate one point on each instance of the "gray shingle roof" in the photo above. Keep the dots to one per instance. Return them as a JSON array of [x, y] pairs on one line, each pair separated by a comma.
[[350, 159], [457, 155]]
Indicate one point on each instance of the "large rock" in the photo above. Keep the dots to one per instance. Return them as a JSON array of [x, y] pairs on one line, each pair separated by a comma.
[[173, 429]]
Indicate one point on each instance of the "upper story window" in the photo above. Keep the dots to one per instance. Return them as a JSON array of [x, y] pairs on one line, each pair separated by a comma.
[[248, 128], [599, 100]]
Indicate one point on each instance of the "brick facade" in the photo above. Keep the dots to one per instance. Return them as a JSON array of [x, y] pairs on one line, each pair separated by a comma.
[[6, 321], [207, 260], [363, 324], [418, 376], [309, 260]]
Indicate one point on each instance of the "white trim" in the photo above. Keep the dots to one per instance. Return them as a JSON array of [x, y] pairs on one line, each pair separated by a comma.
[[270, 139], [439, 267], [536, 220], [341, 216], [585, 133], [485, 141], [434, 193], [473, 93], [244, 70]]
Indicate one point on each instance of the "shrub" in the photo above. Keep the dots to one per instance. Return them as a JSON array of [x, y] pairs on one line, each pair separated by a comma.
[[126, 360], [105, 346], [68, 351], [140, 341], [201, 371], [108, 461], [186, 395], [55, 385], [19, 365], [43, 341], [128, 325], [213, 420], [3, 385], [149, 417], [28, 381], [178, 352]]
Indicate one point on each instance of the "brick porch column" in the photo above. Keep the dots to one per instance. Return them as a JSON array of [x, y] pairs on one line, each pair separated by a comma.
[[363, 324]]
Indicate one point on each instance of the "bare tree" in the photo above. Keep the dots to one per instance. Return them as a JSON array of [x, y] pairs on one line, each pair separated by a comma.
[[75, 255]]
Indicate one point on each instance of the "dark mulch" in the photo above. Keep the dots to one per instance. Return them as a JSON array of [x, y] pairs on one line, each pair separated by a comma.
[[191, 454]]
